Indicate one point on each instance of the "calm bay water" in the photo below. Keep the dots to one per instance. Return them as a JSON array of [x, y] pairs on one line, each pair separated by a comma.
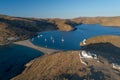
[[71, 40]]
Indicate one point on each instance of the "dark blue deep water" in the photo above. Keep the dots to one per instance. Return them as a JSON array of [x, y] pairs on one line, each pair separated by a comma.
[[72, 39], [13, 58]]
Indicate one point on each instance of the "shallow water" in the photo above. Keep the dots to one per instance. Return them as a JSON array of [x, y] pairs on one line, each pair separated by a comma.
[[13, 58], [72, 38]]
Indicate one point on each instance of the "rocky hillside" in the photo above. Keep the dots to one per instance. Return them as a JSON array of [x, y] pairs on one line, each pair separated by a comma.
[[17, 28], [105, 21], [67, 66], [115, 40], [13, 28]]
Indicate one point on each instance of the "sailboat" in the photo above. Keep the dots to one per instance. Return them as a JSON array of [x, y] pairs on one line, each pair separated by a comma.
[[62, 39], [32, 39], [45, 39], [41, 35], [53, 41], [38, 36], [51, 38]]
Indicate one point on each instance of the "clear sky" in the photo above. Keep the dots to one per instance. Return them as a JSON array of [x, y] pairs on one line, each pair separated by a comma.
[[60, 8]]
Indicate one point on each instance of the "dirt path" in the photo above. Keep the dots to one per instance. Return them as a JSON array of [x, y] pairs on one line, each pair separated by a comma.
[[27, 43]]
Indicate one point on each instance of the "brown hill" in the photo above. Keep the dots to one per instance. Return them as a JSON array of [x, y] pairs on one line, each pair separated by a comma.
[[67, 66], [21, 28], [115, 40], [105, 21]]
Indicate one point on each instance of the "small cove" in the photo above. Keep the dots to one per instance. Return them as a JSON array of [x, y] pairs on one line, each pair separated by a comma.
[[63, 40]]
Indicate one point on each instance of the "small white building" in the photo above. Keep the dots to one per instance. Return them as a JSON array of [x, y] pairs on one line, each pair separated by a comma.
[[86, 54], [84, 41]]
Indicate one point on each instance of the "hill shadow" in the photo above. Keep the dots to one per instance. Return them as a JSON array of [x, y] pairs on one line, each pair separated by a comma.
[[90, 76], [106, 50], [13, 58]]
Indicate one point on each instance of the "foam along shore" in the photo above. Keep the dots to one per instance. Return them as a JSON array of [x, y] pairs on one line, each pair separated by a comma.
[[27, 43]]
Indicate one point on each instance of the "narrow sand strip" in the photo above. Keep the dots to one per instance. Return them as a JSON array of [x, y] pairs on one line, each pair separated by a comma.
[[27, 43]]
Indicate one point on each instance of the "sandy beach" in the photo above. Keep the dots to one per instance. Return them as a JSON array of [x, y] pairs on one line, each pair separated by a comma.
[[27, 43]]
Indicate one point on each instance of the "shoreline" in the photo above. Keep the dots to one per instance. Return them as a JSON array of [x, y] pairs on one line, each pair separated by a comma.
[[27, 43]]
